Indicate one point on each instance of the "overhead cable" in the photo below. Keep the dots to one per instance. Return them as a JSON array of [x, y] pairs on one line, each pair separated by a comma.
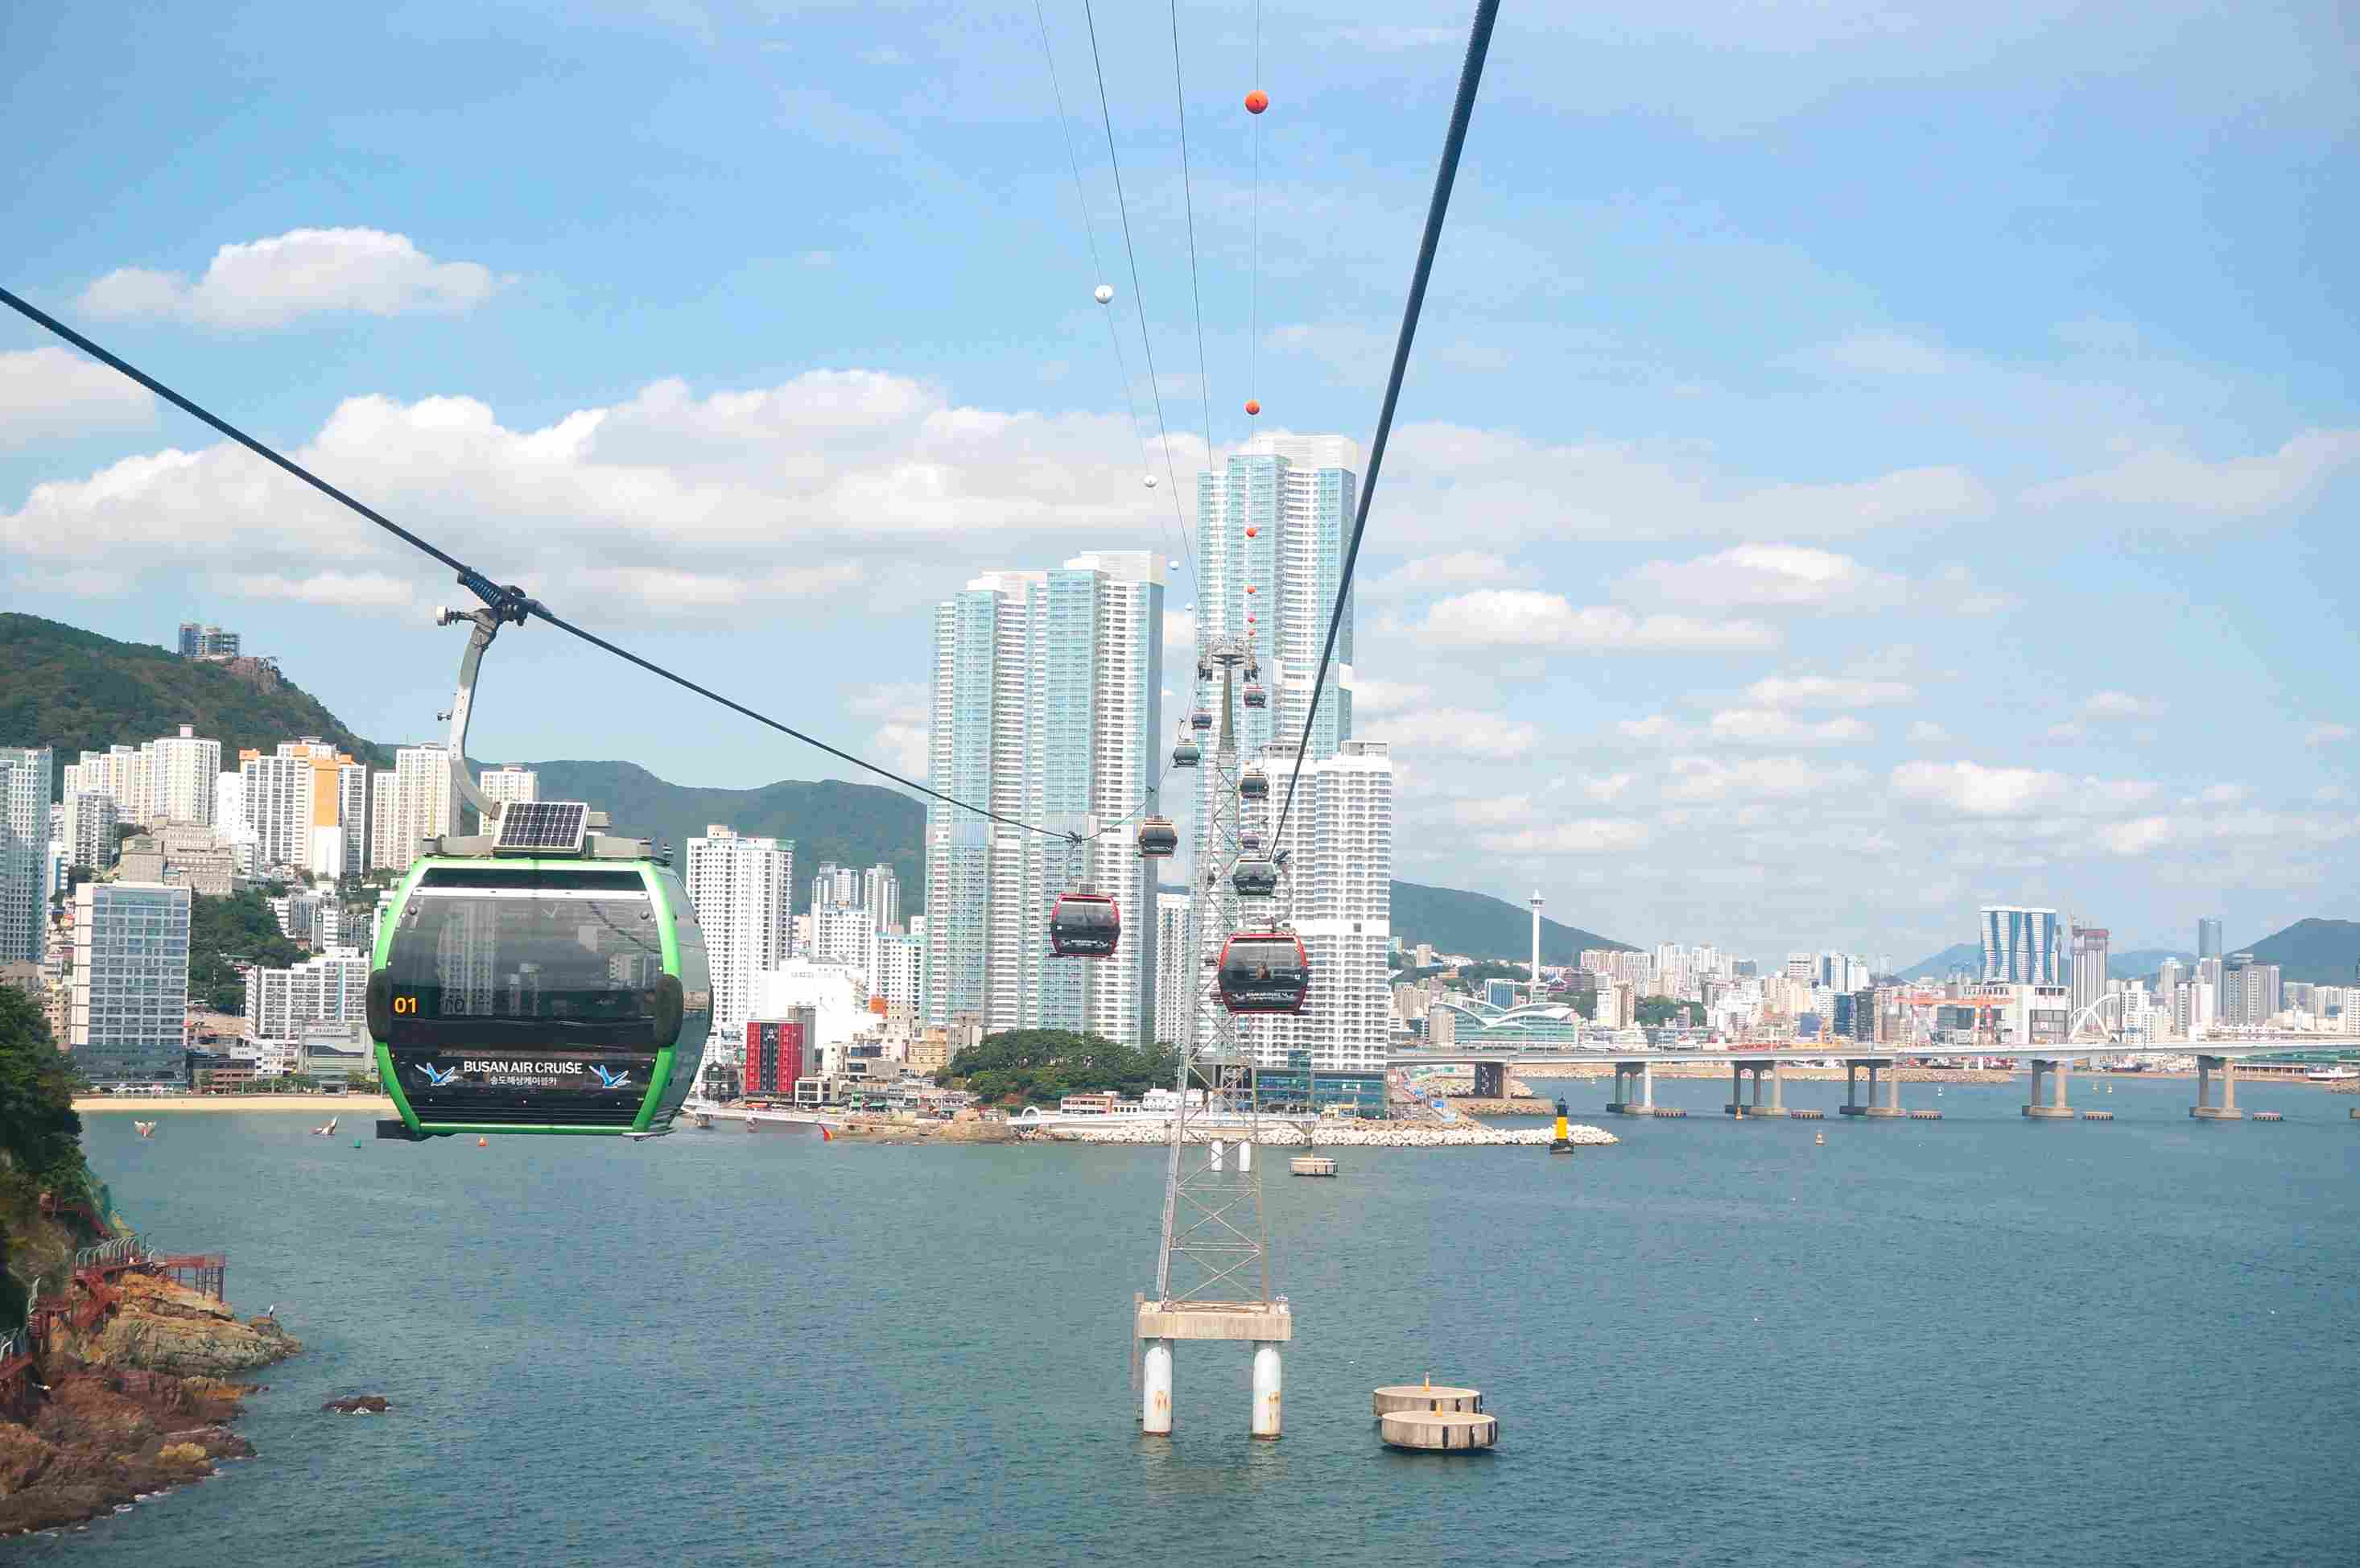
[[511, 601], [1470, 77], [1188, 203]]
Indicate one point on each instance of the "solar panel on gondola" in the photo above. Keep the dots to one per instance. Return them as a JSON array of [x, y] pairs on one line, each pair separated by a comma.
[[543, 826]]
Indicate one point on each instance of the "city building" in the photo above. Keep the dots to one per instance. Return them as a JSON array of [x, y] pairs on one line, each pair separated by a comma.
[[130, 981], [775, 1052], [2249, 991], [276, 795], [899, 972], [2091, 946], [507, 784], [1338, 844], [1177, 967], [182, 854], [206, 641], [386, 850], [835, 884], [1271, 527], [880, 890], [845, 934], [182, 773], [2208, 938], [26, 775], [88, 831], [353, 815], [835, 997], [2023, 946], [423, 806], [1046, 709], [328, 991], [743, 889]]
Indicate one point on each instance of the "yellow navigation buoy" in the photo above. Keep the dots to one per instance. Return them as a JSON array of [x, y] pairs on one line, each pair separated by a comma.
[[1819, 1138]]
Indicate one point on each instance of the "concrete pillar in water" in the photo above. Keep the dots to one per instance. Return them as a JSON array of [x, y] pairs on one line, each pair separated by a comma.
[[1646, 1086], [1851, 1089], [1265, 1390], [1245, 1155], [1777, 1087], [2053, 1108], [1890, 1108], [2216, 1090], [1217, 1153], [1155, 1385]]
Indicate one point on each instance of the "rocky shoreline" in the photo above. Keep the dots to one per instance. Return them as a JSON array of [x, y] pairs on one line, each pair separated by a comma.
[[138, 1403]]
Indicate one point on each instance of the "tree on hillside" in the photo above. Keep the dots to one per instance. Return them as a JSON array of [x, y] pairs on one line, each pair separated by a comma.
[[1657, 1010], [1046, 1064], [224, 933], [40, 1135]]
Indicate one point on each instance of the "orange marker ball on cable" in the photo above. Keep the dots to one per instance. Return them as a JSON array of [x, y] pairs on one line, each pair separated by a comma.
[[1253, 407], [1257, 101]]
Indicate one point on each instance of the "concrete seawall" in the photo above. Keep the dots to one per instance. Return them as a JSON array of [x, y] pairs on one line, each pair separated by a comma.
[[1355, 1135]]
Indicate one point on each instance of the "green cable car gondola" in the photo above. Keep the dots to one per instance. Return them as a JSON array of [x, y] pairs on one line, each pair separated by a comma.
[[542, 977]]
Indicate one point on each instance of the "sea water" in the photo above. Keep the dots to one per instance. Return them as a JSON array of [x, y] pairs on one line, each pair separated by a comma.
[[1981, 1340]]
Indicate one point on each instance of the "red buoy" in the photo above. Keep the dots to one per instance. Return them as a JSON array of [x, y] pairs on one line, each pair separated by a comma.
[[1253, 407], [1257, 101], [1251, 532]]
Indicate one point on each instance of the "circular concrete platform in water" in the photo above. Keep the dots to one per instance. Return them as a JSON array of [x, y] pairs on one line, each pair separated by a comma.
[[2097, 1115], [2269, 1116], [1311, 1164], [1440, 1431], [1430, 1397]]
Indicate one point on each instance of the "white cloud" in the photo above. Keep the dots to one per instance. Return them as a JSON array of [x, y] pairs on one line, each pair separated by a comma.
[[1925, 732], [1459, 569], [2222, 795], [2137, 837], [2166, 479], [1578, 835], [1527, 618], [353, 590], [676, 501], [1373, 698], [1879, 351], [2331, 795], [1781, 574], [1828, 691], [1389, 38], [1776, 727], [903, 748], [1974, 790], [1707, 780], [51, 392], [271, 282], [1970, 789], [2113, 705], [1655, 727], [2327, 734], [1451, 483], [1463, 732]]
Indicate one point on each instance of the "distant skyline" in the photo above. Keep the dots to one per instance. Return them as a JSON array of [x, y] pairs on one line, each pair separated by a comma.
[[1860, 464]]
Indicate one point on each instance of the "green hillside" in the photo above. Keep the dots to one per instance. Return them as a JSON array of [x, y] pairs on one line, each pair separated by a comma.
[[1968, 955], [852, 824], [76, 691], [2319, 952], [2141, 963], [1480, 926]]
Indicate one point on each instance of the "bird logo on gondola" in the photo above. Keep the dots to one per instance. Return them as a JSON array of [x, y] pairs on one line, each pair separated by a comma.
[[611, 1080], [439, 1079]]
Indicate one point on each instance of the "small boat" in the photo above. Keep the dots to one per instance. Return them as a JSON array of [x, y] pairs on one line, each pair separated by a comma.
[[147, 1129]]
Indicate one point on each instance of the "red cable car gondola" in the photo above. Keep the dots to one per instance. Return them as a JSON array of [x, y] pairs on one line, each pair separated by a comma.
[[1264, 972], [1256, 696], [1084, 926]]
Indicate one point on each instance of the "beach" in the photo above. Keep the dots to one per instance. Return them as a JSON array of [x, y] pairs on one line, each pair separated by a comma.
[[145, 1106]]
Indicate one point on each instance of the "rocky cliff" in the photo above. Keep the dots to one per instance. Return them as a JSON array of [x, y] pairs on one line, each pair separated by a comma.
[[132, 1406]]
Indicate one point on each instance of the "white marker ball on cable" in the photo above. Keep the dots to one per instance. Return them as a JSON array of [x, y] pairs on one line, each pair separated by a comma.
[[1103, 294], [1151, 481]]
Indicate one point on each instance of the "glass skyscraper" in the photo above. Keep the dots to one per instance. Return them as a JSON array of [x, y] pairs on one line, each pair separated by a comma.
[[26, 775], [1046, 709], [2023, 946]]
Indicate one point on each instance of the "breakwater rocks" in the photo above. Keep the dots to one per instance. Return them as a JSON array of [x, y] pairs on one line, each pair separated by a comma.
[[1357, 1136], [1468, 1105], [132, 1406], [967, 1127]]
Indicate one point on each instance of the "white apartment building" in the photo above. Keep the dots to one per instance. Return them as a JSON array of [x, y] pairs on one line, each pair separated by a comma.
[[384, 848], [899, 974], [880, 890], [353, 815], [88, 831], [423, 807], [1177, 980], [833, 883], [330, 989], [1046, 708], [1340, 837], [276, 795], [845, 934], [183, 772], [743, 889], [131, 982]]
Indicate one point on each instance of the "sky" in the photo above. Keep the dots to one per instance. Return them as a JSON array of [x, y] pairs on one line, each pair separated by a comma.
[[1860, 461]]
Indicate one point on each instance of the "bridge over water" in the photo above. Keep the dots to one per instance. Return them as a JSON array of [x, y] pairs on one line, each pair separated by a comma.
[[2052, 1071]]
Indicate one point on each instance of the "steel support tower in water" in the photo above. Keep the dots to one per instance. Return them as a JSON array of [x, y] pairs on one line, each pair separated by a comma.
[[1212, 1265]]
